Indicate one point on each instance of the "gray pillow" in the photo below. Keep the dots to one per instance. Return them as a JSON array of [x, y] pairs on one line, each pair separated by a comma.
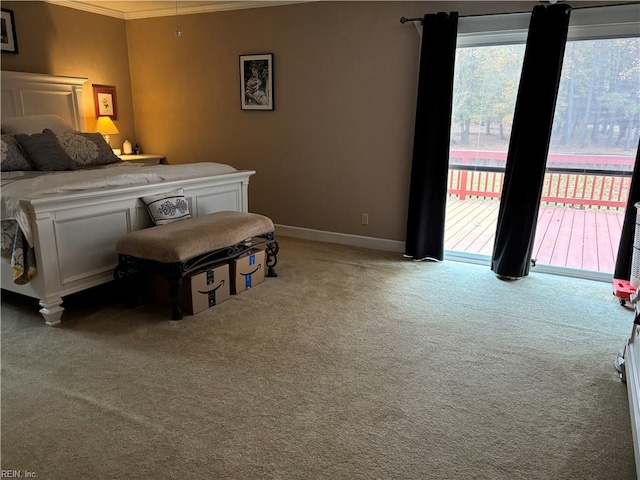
[[45, 152], [12, 157], [87, 149]]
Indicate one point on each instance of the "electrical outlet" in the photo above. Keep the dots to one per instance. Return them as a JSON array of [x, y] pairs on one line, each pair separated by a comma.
[[365, 219]]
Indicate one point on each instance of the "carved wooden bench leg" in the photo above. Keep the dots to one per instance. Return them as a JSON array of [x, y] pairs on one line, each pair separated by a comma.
[[272, 258]]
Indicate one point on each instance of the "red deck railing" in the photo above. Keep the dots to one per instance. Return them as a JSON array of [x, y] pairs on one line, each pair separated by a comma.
[[594, 181], [574, 160]]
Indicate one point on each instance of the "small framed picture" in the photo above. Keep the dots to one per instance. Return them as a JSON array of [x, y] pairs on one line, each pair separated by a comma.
[[256, 82], [8, 38], [104, 97]]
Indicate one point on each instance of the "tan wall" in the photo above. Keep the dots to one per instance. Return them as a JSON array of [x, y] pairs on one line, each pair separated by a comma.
[[340, 138], [63, 41]]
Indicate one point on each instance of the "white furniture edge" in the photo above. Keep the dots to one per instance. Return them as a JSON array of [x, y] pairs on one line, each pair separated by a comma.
[[631, 376], [141, 157]]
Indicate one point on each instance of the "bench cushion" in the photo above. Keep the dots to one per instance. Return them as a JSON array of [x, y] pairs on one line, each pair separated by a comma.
[[180, 241]]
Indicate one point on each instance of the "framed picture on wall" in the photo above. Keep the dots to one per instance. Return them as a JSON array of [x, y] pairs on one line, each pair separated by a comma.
[[104, 97], [256, 82], [8, 38]]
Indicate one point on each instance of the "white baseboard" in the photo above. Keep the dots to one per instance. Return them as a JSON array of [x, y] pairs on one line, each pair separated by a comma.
[[341, 238], [367, 242], [398, 247]]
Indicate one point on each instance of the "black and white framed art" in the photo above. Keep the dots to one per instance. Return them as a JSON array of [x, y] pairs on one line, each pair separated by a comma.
[[8, 38], [256, 82]]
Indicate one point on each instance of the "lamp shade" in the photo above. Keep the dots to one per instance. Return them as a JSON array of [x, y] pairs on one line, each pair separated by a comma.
[[105, 126]]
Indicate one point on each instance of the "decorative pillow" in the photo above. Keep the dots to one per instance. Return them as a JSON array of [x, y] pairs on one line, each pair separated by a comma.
[[45, 152], [167, 207], [87, 149], [12, 157], [31, 124]]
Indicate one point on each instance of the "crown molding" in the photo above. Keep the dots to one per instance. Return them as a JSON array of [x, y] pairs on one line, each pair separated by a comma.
[[86, 7], [171, 11]]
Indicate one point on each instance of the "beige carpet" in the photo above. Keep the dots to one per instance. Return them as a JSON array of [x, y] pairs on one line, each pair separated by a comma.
[[352, 364]]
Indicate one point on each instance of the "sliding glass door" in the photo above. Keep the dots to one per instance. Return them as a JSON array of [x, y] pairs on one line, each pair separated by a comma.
[[593, 146], [591, 156]]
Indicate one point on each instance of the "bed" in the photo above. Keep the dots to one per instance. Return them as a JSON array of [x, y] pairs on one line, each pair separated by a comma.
[[71, 220]]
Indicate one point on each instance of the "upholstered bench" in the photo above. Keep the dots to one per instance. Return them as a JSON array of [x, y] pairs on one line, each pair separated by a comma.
[[177, 249]]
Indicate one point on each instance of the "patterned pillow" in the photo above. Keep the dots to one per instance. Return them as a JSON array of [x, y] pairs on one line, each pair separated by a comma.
[[87, 149], [167, 207], [12, 157]]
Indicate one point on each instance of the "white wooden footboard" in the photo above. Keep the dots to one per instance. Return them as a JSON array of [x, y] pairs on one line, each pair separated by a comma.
[[75, 234]]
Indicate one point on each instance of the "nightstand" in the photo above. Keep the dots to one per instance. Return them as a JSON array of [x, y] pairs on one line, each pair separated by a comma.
[[142, 158]]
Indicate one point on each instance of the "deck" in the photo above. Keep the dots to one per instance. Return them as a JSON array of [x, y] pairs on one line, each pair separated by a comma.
[[578, 238]]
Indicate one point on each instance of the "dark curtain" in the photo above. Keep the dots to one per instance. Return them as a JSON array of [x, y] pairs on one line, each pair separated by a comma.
[[529, 142], [429, 170], [625, 247]]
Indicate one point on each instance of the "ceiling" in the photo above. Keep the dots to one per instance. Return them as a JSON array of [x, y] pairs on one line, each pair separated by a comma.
[[129, 10]]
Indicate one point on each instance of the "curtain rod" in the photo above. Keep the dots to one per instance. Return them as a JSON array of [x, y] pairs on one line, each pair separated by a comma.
[[404, 20]]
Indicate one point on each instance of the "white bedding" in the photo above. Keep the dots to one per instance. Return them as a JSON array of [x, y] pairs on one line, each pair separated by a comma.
[[16, 187]]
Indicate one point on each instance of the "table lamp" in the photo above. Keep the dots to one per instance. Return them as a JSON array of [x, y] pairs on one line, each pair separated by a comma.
[[106, 127]]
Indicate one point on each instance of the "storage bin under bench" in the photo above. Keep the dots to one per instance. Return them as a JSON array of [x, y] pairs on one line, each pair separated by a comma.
[[178, 249]]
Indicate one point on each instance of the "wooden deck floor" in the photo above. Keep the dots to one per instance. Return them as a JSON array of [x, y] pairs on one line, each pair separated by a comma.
[[582, 239]]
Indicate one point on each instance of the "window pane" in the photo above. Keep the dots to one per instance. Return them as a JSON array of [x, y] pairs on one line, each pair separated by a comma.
[[484, 95], [485, 89], [591, 156]]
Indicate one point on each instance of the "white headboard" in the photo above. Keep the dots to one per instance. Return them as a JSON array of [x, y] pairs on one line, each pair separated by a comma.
[[36, 93]]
